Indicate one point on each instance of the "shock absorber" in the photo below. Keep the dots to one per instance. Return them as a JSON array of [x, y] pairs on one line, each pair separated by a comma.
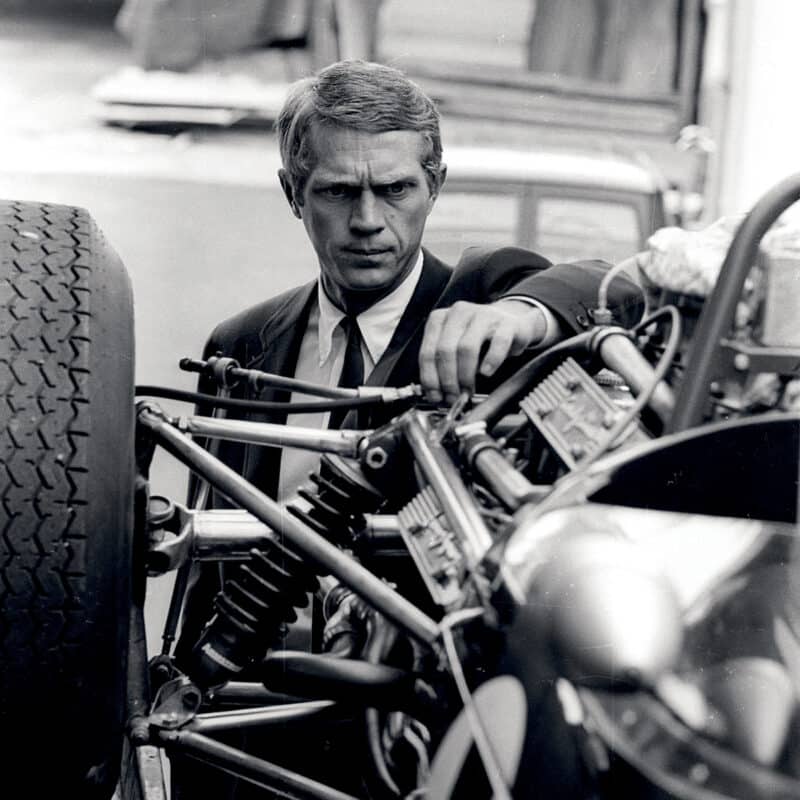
[[336, 500], [263, 593]]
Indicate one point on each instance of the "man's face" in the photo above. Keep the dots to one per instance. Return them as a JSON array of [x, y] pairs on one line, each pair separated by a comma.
[[364, 206]]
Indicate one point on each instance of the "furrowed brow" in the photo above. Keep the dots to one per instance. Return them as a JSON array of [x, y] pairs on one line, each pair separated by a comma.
[[325, 181], [391, 181]]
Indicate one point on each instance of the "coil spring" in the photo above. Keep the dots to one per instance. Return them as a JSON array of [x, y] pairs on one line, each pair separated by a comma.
[[338, 498], [265, 591]]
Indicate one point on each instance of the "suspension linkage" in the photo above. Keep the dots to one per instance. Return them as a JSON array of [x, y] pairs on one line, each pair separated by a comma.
[[299, 536]]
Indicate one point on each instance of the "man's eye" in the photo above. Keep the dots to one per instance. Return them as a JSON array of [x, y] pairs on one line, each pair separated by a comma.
[[335, 191], [395, 189]]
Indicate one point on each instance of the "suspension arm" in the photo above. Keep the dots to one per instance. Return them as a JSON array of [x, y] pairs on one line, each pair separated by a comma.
[[281, 715], [343, 442], [252, 769], [229, 534]]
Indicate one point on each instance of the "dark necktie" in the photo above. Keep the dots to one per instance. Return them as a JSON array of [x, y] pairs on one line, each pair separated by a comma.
[[353, 367]]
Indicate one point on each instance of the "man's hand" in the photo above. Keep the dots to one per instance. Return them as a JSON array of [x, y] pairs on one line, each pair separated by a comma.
[[470, 338]]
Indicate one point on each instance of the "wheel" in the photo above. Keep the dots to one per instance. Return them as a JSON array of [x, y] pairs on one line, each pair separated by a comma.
[[66, 483]]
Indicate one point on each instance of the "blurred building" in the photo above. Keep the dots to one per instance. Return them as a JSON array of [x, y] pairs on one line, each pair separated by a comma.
[[751, 65]]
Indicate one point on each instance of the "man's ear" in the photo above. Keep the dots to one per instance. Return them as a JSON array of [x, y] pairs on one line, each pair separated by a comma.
[[437, 186], [289, 191]]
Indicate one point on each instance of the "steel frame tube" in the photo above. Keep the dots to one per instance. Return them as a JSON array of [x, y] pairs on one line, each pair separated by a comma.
[[323, 553], [185, 571], [343, 442], [253, 694], [620, 354], [229, 534], [446, 482], [512, 488], [382, 525], [261, 717], [226, 534], [252, 769], [138, 682], [382, 534], [175, 607]]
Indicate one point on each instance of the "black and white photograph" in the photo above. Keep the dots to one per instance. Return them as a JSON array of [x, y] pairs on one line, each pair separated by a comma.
[[399, 399]]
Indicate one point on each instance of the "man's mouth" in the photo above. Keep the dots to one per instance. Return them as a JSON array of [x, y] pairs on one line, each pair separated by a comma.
[[367, 251]]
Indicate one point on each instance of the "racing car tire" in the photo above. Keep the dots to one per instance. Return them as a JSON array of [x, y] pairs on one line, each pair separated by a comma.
[[66, 500]]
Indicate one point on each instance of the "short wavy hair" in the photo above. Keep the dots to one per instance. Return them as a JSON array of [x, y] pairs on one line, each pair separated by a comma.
[[361, 95]]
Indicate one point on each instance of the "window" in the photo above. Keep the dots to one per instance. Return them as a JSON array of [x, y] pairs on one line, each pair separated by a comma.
[[570, 228], [462, 219]]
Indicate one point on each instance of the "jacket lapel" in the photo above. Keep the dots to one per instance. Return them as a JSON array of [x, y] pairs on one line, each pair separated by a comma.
[[282, 333], [280, 341]]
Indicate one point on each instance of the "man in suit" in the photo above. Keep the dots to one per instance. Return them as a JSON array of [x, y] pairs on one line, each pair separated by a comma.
[[362, 168]]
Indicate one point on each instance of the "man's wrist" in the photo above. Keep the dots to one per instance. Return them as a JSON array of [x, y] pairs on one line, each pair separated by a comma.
[[546, 328]]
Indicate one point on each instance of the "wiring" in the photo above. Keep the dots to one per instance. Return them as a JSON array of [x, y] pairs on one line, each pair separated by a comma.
[[602, 315]]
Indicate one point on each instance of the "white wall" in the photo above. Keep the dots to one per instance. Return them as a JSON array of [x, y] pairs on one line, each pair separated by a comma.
[[762, 143]]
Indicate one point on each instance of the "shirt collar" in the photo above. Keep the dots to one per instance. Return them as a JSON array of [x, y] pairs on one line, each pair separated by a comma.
[[376, 323]]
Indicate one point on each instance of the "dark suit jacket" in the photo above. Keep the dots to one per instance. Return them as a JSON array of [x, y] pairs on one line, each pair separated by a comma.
[[268, 335]]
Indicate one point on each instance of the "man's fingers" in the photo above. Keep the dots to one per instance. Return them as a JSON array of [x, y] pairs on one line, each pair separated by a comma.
[[428, 371], [467, 338], [445, 355], [500, 343], [457, 351], [472, 345]]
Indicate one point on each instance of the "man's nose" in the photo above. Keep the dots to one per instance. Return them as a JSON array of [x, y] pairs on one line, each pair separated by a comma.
[[366, 216]]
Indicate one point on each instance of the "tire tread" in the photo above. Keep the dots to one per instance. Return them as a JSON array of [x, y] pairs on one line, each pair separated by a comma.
[[43, 574]]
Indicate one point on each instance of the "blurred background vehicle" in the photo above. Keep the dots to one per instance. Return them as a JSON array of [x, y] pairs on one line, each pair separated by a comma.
[[568, 205]]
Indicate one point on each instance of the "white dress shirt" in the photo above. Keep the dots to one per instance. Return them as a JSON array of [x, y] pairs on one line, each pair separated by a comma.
[[321, 359]]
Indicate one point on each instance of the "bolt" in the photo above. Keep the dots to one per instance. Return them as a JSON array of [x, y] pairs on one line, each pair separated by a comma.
[[699, 773], [629, 717], [741, 361], [162, 670], [376, 457], [139, 731]]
